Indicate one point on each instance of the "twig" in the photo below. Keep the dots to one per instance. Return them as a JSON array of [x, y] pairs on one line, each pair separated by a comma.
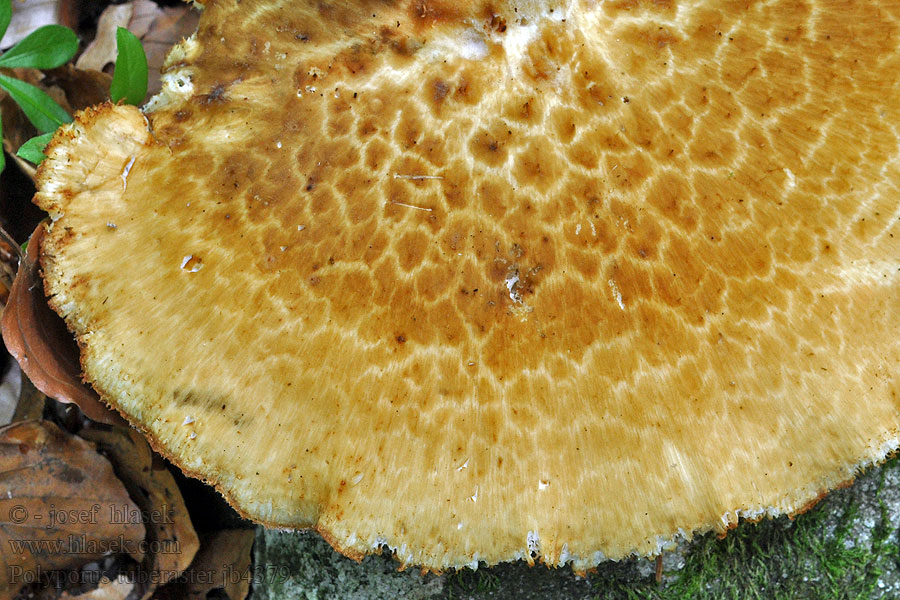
[[411, 206], [417, 177]]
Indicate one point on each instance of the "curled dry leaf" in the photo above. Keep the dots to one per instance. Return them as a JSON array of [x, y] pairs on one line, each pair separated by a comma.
[[63, 505], [28, 15], [223, 563], [38, 339], [170, 533]]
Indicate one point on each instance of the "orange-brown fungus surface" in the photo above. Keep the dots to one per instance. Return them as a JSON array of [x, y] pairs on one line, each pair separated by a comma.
[[485, 281]]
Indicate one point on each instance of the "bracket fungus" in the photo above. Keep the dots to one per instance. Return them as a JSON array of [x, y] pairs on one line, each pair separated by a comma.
[[502, 280]]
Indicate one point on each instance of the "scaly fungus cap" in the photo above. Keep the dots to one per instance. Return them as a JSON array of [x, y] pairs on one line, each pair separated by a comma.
[[487, 281]]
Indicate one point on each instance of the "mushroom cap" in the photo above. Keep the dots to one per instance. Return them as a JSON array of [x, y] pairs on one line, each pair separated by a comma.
[[501, 280]]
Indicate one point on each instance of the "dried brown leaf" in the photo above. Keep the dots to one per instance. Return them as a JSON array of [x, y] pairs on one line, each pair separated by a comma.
[[38, 339], [102, 51], [81, 88], [28, 15], [175, 24], [157, 28], [31, 401], [151, 485], [60, 504], [19, 399], [223, 563], [10, 388], [117, 589]]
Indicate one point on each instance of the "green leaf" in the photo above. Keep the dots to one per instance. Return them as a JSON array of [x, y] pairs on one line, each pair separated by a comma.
[[5, 15], [130, 77], [44, 48], [41, 110], [33, 149]]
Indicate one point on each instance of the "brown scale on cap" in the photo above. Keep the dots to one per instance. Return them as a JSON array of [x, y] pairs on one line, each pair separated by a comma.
[[487, 281]]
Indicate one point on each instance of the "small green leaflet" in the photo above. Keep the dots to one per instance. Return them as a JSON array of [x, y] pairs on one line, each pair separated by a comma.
[[41, 110], [130, 77], [44, 48], [33, 149], [5, 16]]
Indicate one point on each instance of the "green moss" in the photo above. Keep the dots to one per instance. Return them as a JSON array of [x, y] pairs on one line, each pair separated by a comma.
[[846, 547]]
